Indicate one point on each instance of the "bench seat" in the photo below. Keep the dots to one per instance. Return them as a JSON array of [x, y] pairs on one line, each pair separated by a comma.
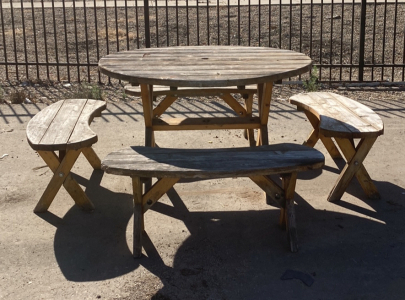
[[171, 165], [343, 119], [64, 126]]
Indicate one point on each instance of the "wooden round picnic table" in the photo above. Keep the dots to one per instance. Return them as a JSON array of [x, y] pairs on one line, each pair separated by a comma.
[[206, 67]]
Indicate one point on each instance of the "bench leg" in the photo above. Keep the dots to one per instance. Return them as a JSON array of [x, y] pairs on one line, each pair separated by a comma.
[[349, 151], [61, 169], [92, 158], [288, 212], [315, 136], [138, 217], [355, 158]]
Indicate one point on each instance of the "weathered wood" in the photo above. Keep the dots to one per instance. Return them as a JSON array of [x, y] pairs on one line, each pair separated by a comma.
[[168, 124], [204, 66], [340, 116], [289, 181], [351, 168], [159, 90], [208, 163], [64, 125], [157, 191], [172, 164], [138, 217], [344, 119], [163, 105]]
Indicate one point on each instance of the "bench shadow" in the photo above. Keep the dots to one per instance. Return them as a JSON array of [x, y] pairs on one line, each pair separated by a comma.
[[237, 254]]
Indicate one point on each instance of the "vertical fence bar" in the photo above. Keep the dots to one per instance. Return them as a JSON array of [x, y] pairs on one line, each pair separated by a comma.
[[198, 23], [331, 41], [56, 40], [341, 40], [218, 24], [87, 40], [290, 33], [24, 37], [279, 24], [395, 40], [373, 48], [208, 22], [362, 39], [45, 39], [260, 22], [137, 23], [96, 33], [321, 42], [117, 39], [301, 27], [76, 41], [4, 39], [239, 22], [177, 22], [157, 22], [351, 43], [147, 25], [229, 22], [249, 17], [126, 23], [383, 43], [311, 14], [35, 37], [188, 23], [269, 23], [167, 23], [66, 40]]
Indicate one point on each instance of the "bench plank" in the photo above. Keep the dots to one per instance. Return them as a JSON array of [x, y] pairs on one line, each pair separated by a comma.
[[64, 125], [208, 163], [340, 116]]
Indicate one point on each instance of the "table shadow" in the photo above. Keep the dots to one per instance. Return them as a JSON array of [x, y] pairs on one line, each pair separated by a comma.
[[239, 254]]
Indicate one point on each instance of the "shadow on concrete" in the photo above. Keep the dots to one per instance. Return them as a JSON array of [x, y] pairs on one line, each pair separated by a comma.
[[243, 254]]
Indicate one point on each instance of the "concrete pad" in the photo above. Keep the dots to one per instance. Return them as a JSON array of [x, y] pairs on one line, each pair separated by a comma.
[[211, 239]]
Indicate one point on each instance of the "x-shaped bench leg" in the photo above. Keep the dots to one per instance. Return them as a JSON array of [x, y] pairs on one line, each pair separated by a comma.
[[61, 169], [354, 166]]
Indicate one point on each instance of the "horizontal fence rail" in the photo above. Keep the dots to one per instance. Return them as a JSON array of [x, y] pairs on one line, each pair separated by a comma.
[[356, 41]]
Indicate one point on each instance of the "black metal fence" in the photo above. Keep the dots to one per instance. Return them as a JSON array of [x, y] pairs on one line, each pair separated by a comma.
[[63, 40]]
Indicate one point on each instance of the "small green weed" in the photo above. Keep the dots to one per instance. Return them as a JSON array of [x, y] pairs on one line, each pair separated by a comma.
[[87, 91], [18, 97], [312, 85]]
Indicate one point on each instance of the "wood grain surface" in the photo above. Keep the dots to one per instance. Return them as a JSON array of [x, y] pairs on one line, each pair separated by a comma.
[[208, 163], [340, 116], [204, 66]]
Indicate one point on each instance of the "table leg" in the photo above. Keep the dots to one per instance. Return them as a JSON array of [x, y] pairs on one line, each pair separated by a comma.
[[289, 181], [264, 110], [353, 165]]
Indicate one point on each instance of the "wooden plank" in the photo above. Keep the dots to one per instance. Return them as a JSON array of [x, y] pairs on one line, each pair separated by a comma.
[[157, 191], [168, 124], [62, 126], [147, 100], [208, 163], [204, 66], [159, 90], [39, 124], [163, 106], [82, 135], [271, 188], [138, 217], [289, 181], [237, 108], [250, 132], [350, 169], [340, 116]]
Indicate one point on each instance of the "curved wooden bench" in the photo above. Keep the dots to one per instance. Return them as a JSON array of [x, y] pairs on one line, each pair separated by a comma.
[[64, 127], [341, 118], [170, 165]]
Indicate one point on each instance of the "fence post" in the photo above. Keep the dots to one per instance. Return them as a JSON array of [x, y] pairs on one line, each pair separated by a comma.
[[362, 39], [147, 26]]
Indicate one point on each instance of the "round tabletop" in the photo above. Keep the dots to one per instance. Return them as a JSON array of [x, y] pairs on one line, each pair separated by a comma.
[[204, 66]]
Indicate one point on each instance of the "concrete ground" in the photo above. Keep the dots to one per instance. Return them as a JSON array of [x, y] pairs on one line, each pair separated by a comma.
[[212, 239]]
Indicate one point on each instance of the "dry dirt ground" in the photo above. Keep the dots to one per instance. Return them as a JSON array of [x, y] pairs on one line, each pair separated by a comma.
[[213, 239]]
